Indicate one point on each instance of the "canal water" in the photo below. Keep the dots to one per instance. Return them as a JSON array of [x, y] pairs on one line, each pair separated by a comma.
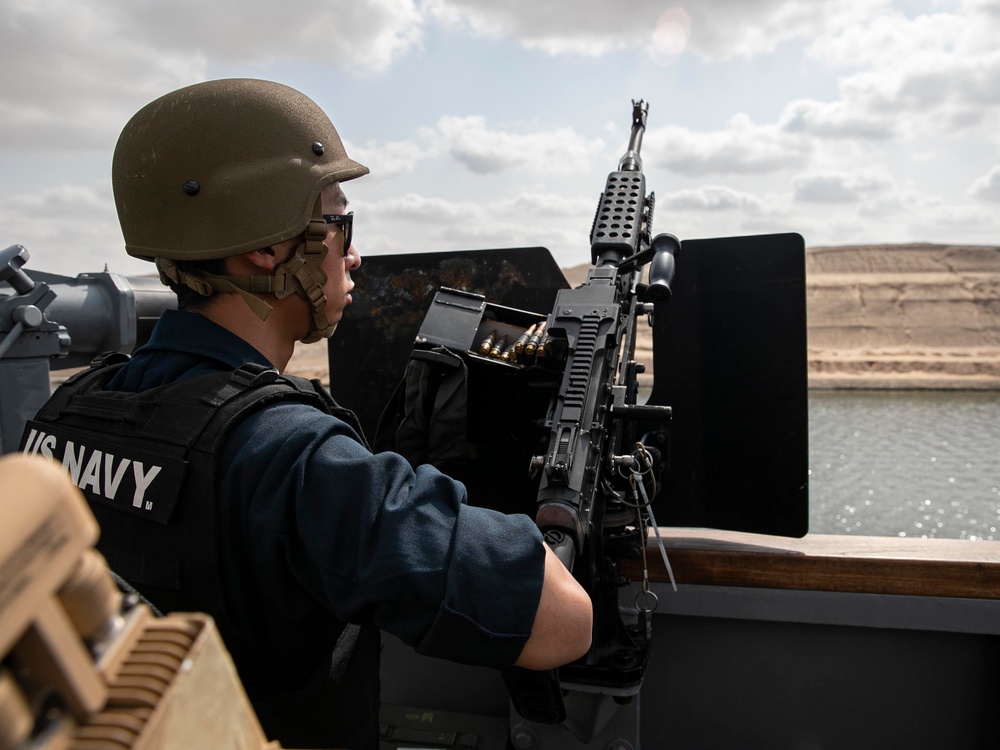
[[905, 463]]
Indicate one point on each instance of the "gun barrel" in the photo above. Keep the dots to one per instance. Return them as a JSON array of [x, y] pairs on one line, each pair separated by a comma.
[[631, 161], [623, 210]]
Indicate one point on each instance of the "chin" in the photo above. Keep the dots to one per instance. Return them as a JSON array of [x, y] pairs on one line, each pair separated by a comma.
[[314, 336]]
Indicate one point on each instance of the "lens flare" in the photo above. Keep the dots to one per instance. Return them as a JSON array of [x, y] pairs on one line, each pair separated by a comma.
[[670, 37]]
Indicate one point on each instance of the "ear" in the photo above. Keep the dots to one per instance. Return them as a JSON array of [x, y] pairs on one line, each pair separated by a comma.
[[265, 259], [262, 261]]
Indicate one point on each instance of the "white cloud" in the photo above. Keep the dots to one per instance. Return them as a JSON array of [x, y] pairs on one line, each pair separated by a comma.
[[903, 213], [486, 151], [944, 222], [431, 210], [714, 29], [86, 75], [721, 211], [547, 205], [389, 160], [988, 8], [90, 66], [584, 27], [731, 28], [935, 73], [742, 148], [901, 203], [710, 198], [68, 229], [839, 119], [351, 34], [955, 96], [886, 38], [416, 223], [987, 187], [420, 208], [840, 187]]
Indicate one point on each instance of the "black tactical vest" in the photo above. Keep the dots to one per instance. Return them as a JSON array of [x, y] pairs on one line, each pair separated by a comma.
[[146, 463]]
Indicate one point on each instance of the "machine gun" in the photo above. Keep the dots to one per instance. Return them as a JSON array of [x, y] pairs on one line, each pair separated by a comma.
[[573, 446], [537, 384], [604, 452], [590, 418], [540, 412]]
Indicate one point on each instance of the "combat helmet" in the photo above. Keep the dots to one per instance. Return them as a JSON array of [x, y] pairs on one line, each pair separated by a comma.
[[224, 167]]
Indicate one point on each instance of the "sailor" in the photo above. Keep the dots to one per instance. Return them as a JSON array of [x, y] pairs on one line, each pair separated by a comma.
[[224, 486]]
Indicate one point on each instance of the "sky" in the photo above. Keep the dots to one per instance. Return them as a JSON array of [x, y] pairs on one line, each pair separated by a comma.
[[494, 124]]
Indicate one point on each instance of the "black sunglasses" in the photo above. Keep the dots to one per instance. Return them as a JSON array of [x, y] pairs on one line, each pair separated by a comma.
[[347, 222]]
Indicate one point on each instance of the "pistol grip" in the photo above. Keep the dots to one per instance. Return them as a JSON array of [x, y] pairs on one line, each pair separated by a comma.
[[536, 695]]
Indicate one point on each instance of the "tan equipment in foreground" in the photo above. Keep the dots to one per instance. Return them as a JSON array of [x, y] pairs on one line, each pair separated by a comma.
[[84, 667]]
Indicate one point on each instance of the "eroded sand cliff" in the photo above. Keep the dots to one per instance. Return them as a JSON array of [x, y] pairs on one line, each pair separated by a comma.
[[879, 316], [904, 316]]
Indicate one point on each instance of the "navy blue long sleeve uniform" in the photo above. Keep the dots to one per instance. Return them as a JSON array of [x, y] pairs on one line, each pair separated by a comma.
[[314, 529]]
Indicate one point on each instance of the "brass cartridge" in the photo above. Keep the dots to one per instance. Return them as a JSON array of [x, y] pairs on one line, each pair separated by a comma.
[[534, 340], [523, 339], [543, 347], [498, 347], [487, 344], [510, 353]]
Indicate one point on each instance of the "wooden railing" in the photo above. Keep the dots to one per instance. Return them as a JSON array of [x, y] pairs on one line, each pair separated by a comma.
[[819, 562]]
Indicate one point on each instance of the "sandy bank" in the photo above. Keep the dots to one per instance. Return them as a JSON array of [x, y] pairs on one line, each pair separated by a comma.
[[879, 316], [904, 316]]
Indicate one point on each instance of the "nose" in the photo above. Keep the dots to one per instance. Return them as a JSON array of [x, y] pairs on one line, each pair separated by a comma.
[[353, 258]]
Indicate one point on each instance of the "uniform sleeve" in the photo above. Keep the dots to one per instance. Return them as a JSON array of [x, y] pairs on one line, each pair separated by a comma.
[[375, 542]]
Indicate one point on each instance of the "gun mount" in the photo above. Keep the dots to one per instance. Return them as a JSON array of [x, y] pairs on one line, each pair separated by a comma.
[[48, 321]]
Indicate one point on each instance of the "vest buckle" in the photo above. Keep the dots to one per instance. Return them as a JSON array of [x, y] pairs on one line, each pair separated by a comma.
[[109, 358], [251, 374]]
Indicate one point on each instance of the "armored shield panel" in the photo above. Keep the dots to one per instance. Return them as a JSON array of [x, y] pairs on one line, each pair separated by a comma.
[[729, 356], [369, 351]]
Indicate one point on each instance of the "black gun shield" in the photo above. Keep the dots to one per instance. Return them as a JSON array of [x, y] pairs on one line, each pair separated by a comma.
[[369, 351], [730, 358]]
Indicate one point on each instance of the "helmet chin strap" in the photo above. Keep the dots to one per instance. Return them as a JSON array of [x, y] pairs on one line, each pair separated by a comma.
[[309, 277], [300, 274]]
